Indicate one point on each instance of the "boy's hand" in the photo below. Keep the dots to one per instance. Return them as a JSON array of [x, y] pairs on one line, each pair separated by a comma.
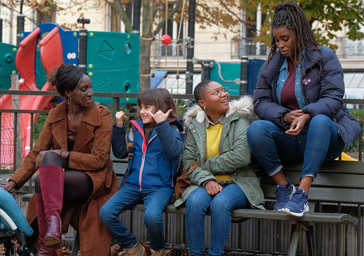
[[120, 116], [159, 116]]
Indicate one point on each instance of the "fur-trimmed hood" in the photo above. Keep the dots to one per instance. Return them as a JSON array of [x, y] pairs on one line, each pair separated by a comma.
[[243, 107]]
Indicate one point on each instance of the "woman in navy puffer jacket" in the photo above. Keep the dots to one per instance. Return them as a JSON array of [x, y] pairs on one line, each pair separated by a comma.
[[299, 99]]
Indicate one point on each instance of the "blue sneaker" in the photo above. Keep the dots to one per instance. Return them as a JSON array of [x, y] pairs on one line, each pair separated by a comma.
[[298, 205], [284, 194]]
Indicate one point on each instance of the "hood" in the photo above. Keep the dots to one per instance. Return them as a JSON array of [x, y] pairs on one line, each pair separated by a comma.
[[243, 107]]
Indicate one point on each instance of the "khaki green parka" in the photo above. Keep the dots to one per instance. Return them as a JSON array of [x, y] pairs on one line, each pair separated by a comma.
[[234, 150]]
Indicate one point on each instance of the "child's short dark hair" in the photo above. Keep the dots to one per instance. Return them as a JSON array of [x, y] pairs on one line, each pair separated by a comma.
[[200, 89], [161, 99]]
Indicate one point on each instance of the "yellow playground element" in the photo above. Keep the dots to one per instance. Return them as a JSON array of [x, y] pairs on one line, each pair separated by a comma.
[[346, 157]]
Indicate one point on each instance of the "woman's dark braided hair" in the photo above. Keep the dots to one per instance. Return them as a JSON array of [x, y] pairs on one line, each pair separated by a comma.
[[291, 16]]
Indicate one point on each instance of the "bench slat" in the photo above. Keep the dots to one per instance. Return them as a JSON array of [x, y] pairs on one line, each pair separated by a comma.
[[341, 180], [348, 167], [274, 215], [325, 194]]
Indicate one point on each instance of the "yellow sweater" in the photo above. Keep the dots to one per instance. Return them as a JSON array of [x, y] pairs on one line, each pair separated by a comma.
[[213, 136]]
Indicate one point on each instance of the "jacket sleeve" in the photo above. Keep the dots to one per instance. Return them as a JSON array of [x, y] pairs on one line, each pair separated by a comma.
[[28, 167], [199, 175], [265, 107], [170, 139], [101, 147], [118, 141], [239, 154], [332, 88]]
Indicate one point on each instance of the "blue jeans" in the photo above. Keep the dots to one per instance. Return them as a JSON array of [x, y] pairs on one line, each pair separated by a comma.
[[10, 207], [221, 206], [155, 201], [271, 146]]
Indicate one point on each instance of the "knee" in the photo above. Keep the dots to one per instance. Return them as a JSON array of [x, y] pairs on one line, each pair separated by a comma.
[[152, 217], [52, 158], [219, 204], [106, 214], [320, 123], [196, 203], [259, 127]]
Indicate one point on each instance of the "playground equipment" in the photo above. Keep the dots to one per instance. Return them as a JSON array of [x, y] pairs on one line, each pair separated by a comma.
[[112, 64], [51, 55]]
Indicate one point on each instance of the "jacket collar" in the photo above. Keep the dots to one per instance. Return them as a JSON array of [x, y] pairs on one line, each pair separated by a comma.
[[270, 72], [242, 108], [60, 113]]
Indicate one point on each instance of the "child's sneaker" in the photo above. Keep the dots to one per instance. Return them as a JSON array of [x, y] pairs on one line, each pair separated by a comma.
[[137, 250], [284, 194], [298, 205]]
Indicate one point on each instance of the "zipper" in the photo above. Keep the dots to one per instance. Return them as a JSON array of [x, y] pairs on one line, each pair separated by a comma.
[[144, 149]]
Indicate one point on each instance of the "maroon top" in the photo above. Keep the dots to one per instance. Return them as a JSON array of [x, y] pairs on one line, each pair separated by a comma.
[[288, 96]]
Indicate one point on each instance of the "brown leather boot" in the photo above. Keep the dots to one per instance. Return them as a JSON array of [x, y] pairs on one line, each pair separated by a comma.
[[137, 250], [52, 187], [43, 250]]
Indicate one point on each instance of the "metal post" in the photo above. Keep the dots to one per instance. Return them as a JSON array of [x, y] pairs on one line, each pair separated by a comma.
[[82, 49], [17, 131], [1, 30], [191, 46], [1, 25], [206, 68], [19, 26], [136, 17], [244, 75]]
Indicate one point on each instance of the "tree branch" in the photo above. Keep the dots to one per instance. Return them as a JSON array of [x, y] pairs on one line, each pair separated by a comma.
[[118, 7], [170, 15], [229, 11]]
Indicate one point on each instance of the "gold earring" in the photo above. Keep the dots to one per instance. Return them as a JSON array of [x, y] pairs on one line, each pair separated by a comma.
[[69, 100]]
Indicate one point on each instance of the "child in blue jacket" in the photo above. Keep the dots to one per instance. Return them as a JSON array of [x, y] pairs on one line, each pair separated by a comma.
[[157, 146]]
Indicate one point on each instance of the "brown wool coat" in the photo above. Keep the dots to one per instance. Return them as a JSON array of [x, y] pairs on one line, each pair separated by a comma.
[[91, 153]]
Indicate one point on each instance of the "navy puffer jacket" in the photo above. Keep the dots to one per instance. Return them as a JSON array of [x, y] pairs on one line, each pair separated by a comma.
[[323, 93]]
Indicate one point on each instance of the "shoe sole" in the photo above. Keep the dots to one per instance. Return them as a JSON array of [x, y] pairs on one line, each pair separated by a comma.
[[51, 240], [296, 214]]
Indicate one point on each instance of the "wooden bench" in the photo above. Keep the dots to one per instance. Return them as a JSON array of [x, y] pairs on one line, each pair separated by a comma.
[[339, 183]]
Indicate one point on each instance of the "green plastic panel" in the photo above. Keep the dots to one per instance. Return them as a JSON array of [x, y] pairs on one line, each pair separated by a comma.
[[229, 71], [113, 62], [7, 64]]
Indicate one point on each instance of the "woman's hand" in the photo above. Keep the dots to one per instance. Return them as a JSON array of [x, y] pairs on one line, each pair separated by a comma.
[[213, 188], [39, 158], [120, 116], [298, 124], [9, 185], [159, 116], [291, 116]]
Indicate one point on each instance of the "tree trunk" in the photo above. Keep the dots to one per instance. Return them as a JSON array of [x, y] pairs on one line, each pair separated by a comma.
[[46, 12], [145, 50], [145, 45]]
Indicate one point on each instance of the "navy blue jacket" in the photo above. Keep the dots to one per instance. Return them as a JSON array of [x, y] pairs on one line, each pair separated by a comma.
[[323, 94], [155, 162]]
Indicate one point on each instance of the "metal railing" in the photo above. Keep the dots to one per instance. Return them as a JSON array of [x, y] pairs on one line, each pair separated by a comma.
[[115, 107]]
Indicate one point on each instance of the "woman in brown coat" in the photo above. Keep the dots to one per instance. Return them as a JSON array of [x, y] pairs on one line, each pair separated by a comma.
[[75, 171]]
